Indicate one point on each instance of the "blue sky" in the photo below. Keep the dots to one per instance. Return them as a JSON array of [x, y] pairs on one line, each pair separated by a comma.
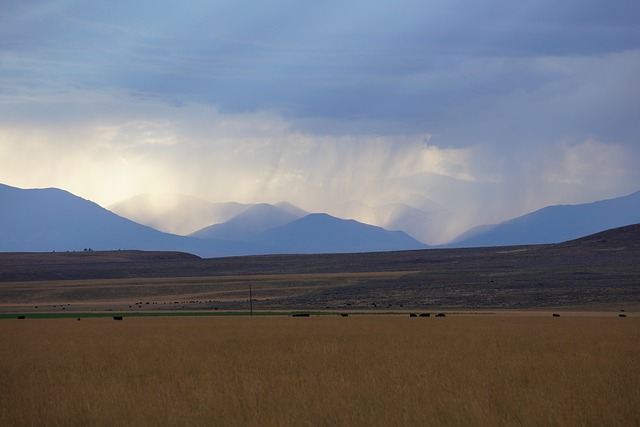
[[484, 109]]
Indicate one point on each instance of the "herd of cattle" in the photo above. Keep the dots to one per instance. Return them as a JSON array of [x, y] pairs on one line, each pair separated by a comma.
[[347, 315]]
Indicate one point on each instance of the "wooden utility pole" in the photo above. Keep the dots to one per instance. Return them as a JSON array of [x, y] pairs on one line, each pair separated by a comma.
[[250, 301]]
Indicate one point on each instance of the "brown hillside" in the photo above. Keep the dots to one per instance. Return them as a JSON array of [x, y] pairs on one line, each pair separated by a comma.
[[602, 270]]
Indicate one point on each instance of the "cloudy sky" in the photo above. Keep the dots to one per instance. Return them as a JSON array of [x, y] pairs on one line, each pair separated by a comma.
[[487, 110]]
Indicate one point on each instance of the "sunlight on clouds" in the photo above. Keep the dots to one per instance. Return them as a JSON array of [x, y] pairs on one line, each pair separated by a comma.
[[137, 133], [83, 160], [396, 181], [591, 163], [448, 162], [353, 168], [248, 158]]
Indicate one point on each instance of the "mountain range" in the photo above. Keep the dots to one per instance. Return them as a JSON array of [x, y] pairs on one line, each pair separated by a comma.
[[43, 220], [249, 223], [555, 224], [422, 219], [56, 220], [176, 213]]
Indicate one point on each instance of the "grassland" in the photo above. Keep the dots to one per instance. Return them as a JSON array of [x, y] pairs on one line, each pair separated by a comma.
[[360, 370]]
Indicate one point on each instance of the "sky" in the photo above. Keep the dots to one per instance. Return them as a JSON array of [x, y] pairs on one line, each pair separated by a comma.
[[480, 111]]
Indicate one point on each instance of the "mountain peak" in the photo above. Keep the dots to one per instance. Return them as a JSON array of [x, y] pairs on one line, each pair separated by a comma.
[[175, 213], [247, 224], [322, 233]]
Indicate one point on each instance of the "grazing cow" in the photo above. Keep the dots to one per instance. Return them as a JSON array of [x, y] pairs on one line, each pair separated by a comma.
[[300, 315], [413, 315], [441, 315], [21, 317], [425, 314], [556, 315], [622, 315], [344, 314], [117, 317]]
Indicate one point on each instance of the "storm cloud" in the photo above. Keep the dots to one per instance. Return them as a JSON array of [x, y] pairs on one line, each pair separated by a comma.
[[483, 111]]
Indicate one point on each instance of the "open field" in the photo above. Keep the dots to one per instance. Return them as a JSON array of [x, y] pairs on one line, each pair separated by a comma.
[[360, 370], [374, 290], [182, 293]]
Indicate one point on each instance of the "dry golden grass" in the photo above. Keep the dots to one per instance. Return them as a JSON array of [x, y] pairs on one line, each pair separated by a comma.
[[321, 371], [118, 294]]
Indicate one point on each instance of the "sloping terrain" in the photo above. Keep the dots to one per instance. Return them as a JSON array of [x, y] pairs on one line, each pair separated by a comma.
[[50, 220], [556, 224], [596, 271]]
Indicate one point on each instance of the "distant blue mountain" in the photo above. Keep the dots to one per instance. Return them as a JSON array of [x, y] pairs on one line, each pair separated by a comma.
[[175, 213], [248, 224], [44, 220], [555, 224], [322, 233]]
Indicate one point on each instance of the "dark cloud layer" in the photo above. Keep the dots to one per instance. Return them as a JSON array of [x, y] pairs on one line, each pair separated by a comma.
[[332, 59]]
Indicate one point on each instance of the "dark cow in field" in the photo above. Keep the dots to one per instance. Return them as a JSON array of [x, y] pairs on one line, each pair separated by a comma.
[[300, 315], [425, 314], [344, 314], [556, 315], [413, 315], [622, 315], [21, 317], [117, 317], [441, 315]]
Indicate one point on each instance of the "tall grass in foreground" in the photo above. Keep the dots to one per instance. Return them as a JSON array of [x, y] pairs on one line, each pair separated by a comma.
[[320, 371]]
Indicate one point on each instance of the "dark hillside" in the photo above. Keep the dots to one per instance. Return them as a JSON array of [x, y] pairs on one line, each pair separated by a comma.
[[627, 237], [599, 270], [623, 244], [31, 266]]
